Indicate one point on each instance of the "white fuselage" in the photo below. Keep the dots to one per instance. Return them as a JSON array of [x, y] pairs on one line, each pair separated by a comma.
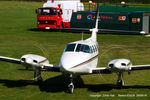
[[81, 58]]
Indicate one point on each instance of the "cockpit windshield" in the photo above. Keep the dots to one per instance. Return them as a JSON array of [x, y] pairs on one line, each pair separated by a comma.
[[70, 48], [83, 48], [78, 48], [47, 11]]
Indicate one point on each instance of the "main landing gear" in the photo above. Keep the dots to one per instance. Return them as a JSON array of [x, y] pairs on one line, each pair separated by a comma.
[[71, 85], [120, 82]]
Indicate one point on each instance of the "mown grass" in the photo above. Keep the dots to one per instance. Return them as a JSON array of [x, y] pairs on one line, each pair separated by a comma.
[[18, 37]]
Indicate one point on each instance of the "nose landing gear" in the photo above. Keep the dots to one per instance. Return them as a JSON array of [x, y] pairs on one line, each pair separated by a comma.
[[71, 85], [71, 88]]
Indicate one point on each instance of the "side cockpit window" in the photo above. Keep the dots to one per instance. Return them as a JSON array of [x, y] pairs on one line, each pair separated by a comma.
[[79, 47], [70, 48], [87, 49], [83, 48]]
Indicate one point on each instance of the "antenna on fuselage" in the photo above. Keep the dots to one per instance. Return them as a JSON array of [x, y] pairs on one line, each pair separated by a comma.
[[82, 36]]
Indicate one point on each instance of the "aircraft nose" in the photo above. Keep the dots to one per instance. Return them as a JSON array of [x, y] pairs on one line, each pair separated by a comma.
[[64, 66], [67, 63], [71, 59]]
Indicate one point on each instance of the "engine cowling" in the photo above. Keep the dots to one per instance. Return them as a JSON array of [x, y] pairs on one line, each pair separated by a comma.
[[119, 65], [31, 60]]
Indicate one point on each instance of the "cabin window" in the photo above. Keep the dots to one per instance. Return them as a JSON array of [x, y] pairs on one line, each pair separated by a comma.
[[93, 49], [97, 47], [70, 48], [83, 48]]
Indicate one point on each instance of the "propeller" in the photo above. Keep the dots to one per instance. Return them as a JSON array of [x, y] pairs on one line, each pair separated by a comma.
[[106, 55], [30, 61]]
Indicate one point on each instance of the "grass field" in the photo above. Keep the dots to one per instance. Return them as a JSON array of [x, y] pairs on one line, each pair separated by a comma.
[[17, 37]]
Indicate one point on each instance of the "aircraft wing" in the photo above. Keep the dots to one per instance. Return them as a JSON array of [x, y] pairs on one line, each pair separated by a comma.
[[12, 60], [49, 67], [102, 70], [99, 30], [108, 70], [140, 67], [34, 61]]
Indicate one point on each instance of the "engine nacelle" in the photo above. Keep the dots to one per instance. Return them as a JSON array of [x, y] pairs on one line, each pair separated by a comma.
[[30, 60], [120, 65]]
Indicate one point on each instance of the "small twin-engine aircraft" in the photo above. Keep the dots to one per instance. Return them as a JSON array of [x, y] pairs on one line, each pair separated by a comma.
[[78, 58]]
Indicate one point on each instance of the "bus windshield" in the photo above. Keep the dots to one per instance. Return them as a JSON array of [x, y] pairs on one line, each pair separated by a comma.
[[47, 11]]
